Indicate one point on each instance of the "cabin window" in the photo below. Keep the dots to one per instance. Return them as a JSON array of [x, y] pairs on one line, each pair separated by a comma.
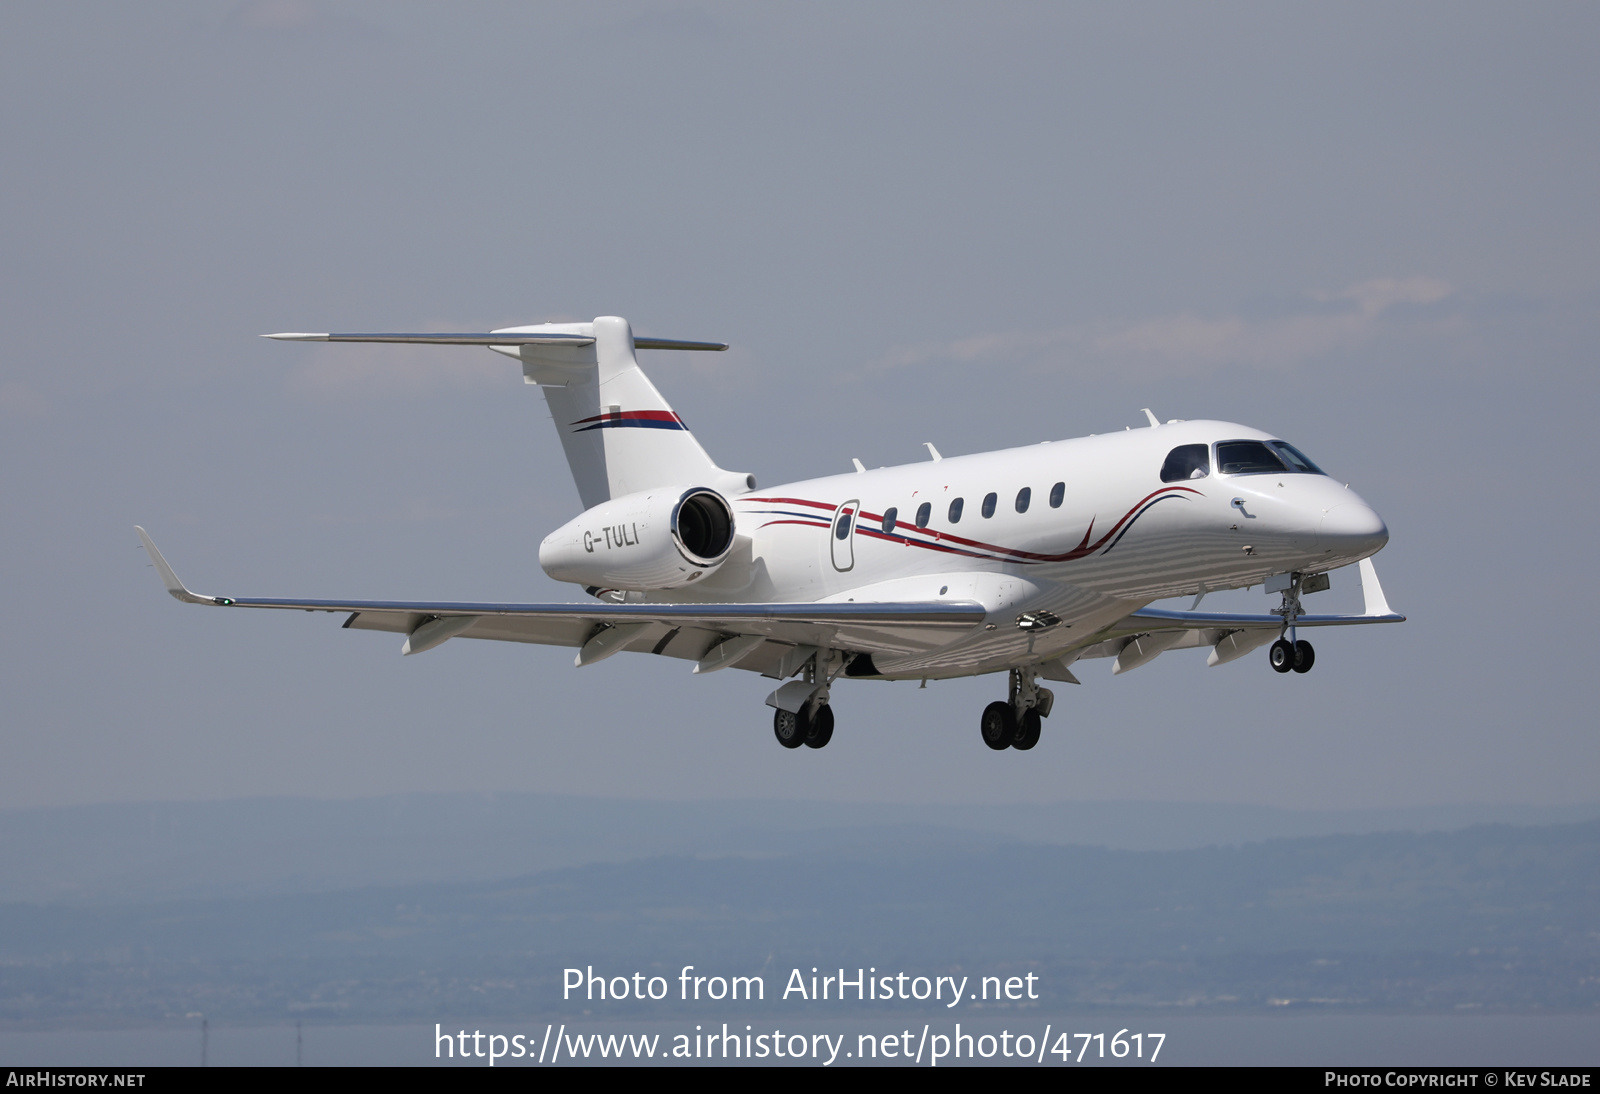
[[1024, 496], [989, 502], [1187, 461], [1058, 492], [924, 514], [888, 520], [1296, 459], [841, 527], [1248, 458], [955, 510]]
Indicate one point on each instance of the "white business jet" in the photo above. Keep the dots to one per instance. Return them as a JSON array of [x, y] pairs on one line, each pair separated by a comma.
[[1020, 561]]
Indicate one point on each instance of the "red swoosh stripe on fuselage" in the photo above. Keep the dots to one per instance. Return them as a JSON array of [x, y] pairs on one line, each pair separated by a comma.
[[941, 541]]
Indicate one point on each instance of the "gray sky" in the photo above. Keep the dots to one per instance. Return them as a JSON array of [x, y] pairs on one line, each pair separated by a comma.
[[1369, 228]]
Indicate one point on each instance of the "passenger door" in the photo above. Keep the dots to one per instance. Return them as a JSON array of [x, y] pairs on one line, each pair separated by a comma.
[[841, 535]]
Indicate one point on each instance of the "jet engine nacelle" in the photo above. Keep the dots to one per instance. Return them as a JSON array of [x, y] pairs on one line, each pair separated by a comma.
[[655, 539]]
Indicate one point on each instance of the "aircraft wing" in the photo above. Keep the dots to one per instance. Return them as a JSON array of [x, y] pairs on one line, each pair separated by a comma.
[[1375, 610], [1140, 636], [753, 636]]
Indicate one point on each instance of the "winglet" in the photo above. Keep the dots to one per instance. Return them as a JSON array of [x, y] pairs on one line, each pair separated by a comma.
[[170, 579], [1371, 591]]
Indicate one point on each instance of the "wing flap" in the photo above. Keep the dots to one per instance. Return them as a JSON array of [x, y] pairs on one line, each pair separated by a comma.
[[686, 631]]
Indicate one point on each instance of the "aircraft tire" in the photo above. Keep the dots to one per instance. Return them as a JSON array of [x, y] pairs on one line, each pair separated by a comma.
[[821, 729], [1304, 656], [788, 728], [1281, 655], [998, 725], [1028, 727]]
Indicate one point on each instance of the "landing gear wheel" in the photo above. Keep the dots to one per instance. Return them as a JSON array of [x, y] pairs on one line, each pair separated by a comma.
[[999, 725], [789, 728], [1281, 655], [821, 730], [1027, 730], [1304, 656]]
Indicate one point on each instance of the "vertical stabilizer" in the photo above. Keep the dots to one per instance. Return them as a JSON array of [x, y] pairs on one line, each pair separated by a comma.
[[619, 434]]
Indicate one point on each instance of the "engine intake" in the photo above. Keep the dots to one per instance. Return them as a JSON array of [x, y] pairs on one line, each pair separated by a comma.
[[656, 539]]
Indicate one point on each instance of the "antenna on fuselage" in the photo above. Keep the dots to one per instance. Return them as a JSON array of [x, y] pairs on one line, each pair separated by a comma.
[[932, 451], [1154, 421]]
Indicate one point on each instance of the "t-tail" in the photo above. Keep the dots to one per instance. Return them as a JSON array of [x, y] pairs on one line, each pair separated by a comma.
[[619, 434]]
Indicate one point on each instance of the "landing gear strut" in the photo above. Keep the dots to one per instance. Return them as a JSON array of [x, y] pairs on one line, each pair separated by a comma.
[[1016, 722], [812, 724], [1289, 652]]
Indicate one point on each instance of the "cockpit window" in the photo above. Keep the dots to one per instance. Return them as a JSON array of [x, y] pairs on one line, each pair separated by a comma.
[[1188, 461], [1296, 459], [1248, 458], [1259, 458]]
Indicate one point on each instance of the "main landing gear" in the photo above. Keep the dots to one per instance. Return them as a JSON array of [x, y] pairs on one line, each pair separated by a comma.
[[1016, 722], [1289, 652], [1286, 655], [812, 723], [812, 727]]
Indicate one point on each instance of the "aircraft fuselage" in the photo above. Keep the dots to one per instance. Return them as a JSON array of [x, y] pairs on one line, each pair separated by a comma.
[[1084, 528]]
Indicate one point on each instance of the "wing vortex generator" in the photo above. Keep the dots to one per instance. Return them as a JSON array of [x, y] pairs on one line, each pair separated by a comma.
[[1022, 561]]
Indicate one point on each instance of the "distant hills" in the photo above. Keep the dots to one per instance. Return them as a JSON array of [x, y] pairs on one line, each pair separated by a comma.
[[264, 846], [1494, 917]]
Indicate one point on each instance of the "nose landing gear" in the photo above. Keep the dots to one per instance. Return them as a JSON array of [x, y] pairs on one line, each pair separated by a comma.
[[1290, 652], [1016, 723]]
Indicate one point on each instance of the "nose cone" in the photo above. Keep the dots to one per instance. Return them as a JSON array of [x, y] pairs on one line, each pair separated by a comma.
[[1352, 530]]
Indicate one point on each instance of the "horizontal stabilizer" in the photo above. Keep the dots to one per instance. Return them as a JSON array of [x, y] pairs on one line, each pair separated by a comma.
[[491, 338], [675, 343], [487, 339]]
